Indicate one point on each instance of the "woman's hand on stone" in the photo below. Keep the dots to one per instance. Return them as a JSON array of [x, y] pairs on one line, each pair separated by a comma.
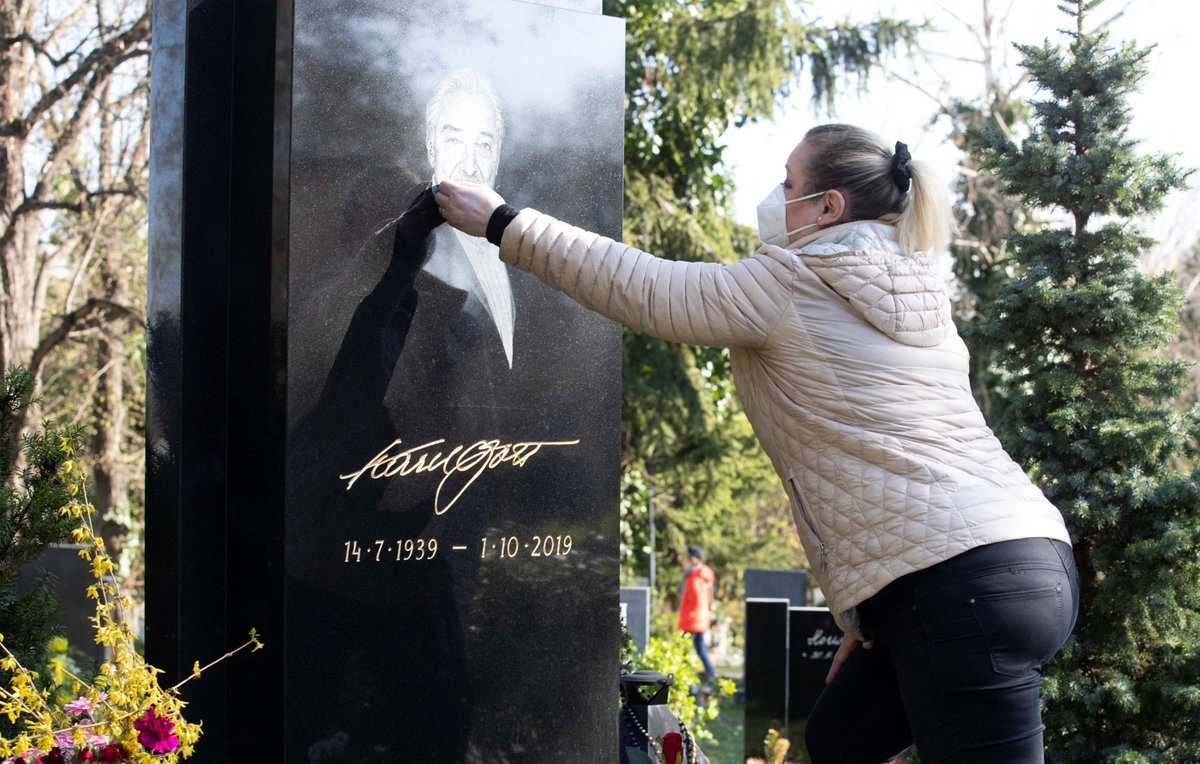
[[467, 206]]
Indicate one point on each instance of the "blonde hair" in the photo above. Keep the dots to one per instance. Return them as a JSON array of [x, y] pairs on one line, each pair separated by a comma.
[[857, 163]]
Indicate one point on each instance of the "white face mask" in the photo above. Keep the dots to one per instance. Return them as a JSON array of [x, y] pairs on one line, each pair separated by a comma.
[[772, 217]]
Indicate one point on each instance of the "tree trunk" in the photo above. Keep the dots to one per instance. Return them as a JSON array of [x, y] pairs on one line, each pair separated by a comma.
[[110, 476], [18, 328]]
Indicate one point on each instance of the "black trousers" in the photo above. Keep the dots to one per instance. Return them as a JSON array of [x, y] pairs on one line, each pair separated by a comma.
[[956, 663]]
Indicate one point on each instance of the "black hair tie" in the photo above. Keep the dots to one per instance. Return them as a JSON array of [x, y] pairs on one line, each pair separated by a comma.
[[901, 175]]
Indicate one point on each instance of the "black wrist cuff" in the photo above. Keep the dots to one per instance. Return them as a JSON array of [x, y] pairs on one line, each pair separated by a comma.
[[501, 217]]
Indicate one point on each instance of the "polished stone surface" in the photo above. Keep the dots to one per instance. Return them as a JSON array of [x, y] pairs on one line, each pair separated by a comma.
[[343, 452], [635, 614], [451, 512], [67, 576], [768, 583], [187, 348], [814, 640], [766, 670]]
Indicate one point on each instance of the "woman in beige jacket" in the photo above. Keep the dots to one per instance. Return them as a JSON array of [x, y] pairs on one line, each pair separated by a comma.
[[933, 548]]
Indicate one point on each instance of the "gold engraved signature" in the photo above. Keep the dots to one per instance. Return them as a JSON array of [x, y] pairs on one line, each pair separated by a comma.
[[467, 462]]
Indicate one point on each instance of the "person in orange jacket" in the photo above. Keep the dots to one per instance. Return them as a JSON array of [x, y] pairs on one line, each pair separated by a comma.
[[695, 606]]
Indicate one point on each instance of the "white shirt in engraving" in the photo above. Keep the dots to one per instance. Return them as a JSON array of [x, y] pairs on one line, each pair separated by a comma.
[[495, 288]]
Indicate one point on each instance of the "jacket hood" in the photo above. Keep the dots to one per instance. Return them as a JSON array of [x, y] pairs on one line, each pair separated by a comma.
[[900, 295], [702, 571]]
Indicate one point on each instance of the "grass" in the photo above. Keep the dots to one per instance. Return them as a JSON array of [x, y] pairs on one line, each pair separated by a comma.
[[728, 729]]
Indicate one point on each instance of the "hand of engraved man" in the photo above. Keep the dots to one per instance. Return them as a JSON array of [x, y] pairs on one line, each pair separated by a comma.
[[467, 206]]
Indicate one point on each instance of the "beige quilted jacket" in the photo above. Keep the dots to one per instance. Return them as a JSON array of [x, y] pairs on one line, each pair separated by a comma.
[[849, 368]]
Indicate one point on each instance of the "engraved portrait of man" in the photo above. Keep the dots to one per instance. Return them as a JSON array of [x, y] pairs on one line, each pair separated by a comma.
[[464, 128], [446, 346], [407, 337]]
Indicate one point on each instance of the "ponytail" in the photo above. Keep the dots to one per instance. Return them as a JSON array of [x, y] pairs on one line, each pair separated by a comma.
[[924, 221], [880, 185]]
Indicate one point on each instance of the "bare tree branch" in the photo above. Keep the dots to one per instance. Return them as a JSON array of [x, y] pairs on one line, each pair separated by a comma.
[[1003, 23], [1191, 287], [33, 205], [105, 57], [1111, 19], [128, 190], [73, 14], [88, 315], [41, 49], [67, 136], [937, 99], [92, 384], [87, 245], [965, 24], [964, 59]]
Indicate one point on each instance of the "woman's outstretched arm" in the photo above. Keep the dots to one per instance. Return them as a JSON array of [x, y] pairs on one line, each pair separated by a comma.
[[697, 303]]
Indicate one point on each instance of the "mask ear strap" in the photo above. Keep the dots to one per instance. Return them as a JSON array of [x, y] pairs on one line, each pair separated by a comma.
[[801, 228], [805, 198]]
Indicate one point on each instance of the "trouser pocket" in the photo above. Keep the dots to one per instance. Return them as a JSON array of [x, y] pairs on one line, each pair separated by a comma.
[[1022, 628]]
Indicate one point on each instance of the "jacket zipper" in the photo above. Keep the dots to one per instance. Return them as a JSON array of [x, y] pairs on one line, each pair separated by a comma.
[[806, 517]]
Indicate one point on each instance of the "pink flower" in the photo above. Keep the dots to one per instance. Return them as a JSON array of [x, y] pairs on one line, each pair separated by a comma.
[[672, 748], [156, 733], [83, 705], [97, 741]]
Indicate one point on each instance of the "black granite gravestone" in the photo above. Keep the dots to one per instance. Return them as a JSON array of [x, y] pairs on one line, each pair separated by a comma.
[[814, 638], [635, 614], [393, 456], [768, 583], [766, 671], [67, 577]]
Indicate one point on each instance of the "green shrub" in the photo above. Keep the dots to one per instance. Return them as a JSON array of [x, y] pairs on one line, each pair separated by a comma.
[[676, 657], [31, 495]]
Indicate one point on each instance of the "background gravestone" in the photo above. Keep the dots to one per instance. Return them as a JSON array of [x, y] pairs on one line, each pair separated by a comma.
[[767, 583], [788, 654], [457, 606], [766, 671], [635, 614], [814, 638], [69, 576]]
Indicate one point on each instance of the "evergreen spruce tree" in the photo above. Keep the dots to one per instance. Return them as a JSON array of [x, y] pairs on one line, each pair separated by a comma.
[[986, 218], [1079, 332]]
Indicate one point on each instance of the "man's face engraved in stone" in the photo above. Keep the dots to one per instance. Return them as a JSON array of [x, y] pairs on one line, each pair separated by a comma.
[[465, 142]]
